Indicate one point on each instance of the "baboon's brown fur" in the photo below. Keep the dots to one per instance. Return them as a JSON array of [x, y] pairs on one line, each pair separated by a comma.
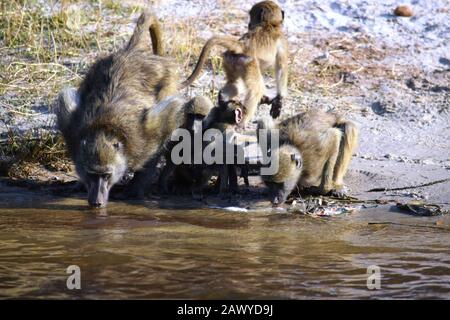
[[325, 143], [194, 113], [106, 123]]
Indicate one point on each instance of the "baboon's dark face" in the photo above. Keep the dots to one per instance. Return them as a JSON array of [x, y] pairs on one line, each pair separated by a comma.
[[102, 164]]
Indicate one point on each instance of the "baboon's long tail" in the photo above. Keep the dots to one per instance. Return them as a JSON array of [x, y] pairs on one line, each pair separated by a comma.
[[268, 125], [228, 43], [265, 123], [147, 22], [350, 136]]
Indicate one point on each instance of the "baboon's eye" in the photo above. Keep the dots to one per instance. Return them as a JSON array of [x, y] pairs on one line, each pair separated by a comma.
[[117, 145], [83, 143]]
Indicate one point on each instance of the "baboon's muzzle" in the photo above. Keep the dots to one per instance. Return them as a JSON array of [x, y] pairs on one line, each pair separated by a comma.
[[98, 192]]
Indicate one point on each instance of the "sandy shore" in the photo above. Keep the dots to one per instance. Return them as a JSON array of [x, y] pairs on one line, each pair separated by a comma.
[[389, 74]]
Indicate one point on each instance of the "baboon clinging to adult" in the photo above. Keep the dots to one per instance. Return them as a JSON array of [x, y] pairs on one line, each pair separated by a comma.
[[191, 119], [225, 117], [195, 176], [109, 124], [323, 142], [263, 46]]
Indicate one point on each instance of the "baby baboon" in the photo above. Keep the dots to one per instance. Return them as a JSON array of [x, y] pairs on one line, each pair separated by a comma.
[[194, 112], [223, 118], [325, 143], [107, 123], [263, 46]]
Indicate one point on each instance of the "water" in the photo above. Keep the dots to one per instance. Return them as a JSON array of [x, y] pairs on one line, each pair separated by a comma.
[[142, 251]]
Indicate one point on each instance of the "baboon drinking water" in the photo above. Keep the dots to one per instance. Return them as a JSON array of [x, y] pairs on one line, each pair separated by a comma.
[[315, 149], [108, 123]]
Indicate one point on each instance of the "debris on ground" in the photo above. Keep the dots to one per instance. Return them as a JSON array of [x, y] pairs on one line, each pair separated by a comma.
[[319, 207], [420, 208]]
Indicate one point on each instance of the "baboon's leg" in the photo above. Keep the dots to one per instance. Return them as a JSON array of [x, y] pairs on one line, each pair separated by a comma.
[[331, 144], [281, 74], [244, 174], [142, 180], [281, 69], [223, 174], [197, 191], [183, 179], [255, 91], [346, 148], [229, 91], [202, 179], [165, 175], [232, 176]]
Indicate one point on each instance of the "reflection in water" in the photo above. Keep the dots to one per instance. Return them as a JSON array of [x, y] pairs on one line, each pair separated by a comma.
[[139, 251]]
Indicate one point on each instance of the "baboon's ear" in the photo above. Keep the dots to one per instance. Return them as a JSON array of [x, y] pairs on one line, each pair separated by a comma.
[[238, 115], [68, 100]]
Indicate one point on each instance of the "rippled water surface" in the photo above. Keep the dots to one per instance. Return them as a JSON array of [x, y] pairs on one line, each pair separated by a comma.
[[142, 251]]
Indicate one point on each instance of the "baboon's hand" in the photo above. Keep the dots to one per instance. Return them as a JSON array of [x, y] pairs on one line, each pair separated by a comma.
[[276, 107]]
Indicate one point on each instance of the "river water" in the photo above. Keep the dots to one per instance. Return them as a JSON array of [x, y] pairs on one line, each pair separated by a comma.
[[151, 250]]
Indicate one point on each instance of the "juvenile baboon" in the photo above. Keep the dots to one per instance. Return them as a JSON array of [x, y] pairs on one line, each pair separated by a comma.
[[223, 118], [108, 123], [194, 112], [324, 141], [263, 46]]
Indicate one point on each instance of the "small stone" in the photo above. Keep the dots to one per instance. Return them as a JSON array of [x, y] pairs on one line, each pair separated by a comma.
[[440, 222], [403, 11]]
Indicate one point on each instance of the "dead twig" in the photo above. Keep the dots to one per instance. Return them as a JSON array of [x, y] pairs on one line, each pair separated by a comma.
[[407, 225], [410, 187]]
